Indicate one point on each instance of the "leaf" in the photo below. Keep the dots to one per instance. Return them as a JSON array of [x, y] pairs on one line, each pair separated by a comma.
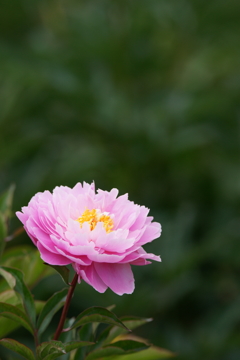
[[112, 332], [5, 208], [7, 326], [62, 270], [111, 307], [50, 350], [9, 297], [85, 334], [50, 308], [14, 313], [72, 345], [97, 314], [66, 335], [152, 353], [3, 232], [117, 348], [18, 348], [26, 259], [8, 277], [39, 305], [6, 199], [22, 289]]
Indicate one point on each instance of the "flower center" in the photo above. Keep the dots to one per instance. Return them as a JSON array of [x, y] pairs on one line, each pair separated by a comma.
[[93, 217]]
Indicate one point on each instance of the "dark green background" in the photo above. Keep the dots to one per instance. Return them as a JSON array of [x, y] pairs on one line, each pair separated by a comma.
[[142, 96]]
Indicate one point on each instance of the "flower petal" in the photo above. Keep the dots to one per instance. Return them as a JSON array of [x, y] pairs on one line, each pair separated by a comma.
[[51, 258], [118, 277], [152, 231], [90, 276]]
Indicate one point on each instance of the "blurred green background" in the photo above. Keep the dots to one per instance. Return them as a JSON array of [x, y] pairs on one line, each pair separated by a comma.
[[143, 96]]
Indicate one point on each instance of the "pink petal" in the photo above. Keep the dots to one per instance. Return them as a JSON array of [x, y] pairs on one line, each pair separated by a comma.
[[81, 259], [118, 277], [91, 277], [51, 258], [141, 219], [140, 254], [43, 238], [22, 217], [152, 231]]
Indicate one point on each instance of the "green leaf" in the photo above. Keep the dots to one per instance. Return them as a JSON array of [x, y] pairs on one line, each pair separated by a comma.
[[26, 259], [152, 353], [129, 345], [5, 209], [62, 270], [50, 350], [7, 325], [98, 314], [14, 313], [6, 199], [50, 308], [67, 336], [22, 289], [8, 277], [72, 345], [39, 305], [85, 334], [18, 348], [56, 354], [9, 297], [3, 232], [112, 332], [118, 348]]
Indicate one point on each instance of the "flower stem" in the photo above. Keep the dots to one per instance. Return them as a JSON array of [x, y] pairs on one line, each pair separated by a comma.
[[36, 338], [66, 306]]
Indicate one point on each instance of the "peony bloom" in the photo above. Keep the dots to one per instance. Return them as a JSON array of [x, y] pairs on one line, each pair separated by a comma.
[[100, 234]]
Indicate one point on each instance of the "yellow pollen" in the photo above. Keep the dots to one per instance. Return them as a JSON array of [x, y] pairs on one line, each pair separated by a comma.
[[93, 217]]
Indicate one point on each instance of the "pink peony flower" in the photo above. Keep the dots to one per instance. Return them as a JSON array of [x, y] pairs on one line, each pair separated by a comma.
[[100, 234]]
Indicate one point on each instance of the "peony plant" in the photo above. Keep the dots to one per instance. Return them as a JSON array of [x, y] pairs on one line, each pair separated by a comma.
[[100, 235]]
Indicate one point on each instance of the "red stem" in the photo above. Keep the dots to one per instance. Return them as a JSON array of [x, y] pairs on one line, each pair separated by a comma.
[[66, 306]]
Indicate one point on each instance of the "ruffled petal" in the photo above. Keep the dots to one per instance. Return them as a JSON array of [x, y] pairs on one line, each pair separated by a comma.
[[118, 277], [91, 277], [51, 258], [152, 231]]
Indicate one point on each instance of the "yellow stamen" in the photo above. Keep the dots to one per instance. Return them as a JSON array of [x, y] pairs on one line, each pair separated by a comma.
[[93, 217]]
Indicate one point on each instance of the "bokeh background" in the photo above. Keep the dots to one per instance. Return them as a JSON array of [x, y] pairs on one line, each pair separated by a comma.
[[142, 96]]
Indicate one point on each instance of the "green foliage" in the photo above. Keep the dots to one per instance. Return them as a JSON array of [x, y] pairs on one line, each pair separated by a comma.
[[18, 348], [111, 332], [63, 271], [5, 212], [26, 259], [50, 308], [106, 342], [152, 353], [117, 348], [7, 326], [14, 313], [50, 350], [20, 287], [98, 315], [53, 349]]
